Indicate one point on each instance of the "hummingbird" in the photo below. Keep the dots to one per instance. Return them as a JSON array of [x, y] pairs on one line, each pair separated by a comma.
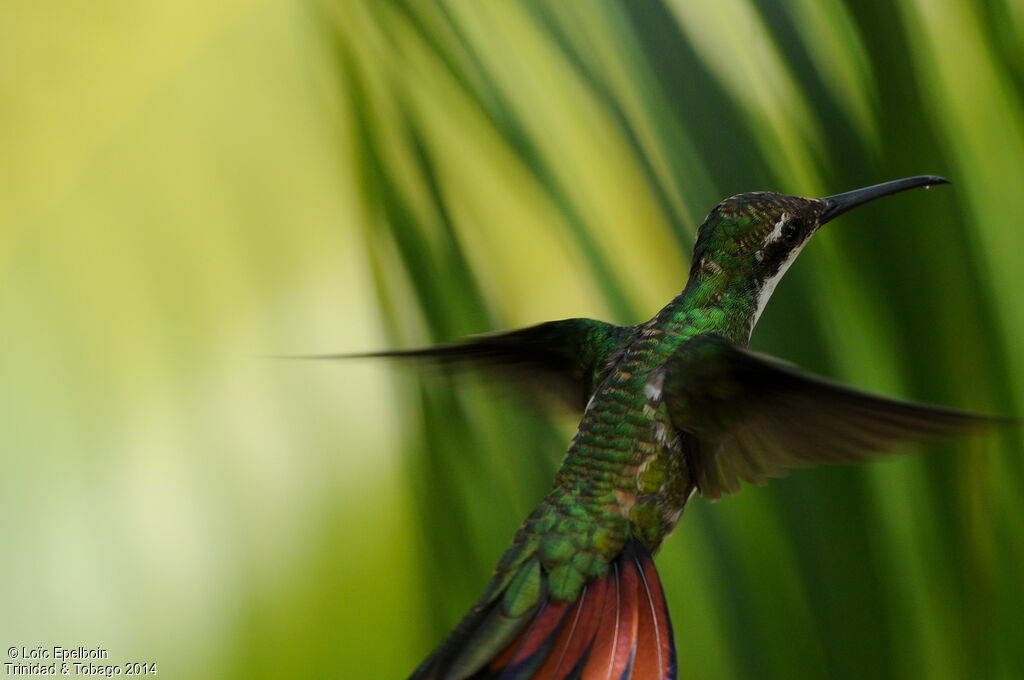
[[672, 407]]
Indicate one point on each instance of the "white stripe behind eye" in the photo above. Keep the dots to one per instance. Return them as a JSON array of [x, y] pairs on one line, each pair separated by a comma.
[[777, 230]]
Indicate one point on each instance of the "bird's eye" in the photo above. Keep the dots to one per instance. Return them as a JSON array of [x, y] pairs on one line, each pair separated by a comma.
[[792, 229]]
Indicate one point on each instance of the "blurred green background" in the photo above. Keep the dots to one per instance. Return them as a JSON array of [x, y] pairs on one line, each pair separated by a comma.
[[187, 186]]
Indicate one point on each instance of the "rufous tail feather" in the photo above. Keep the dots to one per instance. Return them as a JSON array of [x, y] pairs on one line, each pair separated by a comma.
[[618, 628]]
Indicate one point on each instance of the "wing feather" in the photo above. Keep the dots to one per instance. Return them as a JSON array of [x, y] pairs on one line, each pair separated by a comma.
[[746, 417], [564, 358]]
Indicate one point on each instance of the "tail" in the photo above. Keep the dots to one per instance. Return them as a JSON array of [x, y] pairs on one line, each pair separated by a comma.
[[618, 628]]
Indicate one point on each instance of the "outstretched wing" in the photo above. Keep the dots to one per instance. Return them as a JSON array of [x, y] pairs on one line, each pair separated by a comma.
[[565, 357], [746, 417]]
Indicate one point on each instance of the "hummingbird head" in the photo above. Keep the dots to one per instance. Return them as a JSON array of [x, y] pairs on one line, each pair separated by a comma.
[[749, 240], [753, 238]]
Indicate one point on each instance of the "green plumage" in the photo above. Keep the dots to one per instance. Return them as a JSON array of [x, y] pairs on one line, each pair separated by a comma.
[[671, 407]]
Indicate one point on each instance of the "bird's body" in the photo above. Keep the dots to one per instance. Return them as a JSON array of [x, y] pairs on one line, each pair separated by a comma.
[[625, 474], [671, 407]]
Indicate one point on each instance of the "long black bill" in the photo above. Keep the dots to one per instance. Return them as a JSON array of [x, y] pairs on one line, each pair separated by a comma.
[[840, 203]]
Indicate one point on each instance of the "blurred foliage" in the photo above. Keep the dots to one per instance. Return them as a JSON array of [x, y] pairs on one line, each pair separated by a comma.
[[187, 186]]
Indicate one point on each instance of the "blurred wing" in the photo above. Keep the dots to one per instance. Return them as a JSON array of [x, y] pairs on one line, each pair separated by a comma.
[[564, 357], [746, 416]]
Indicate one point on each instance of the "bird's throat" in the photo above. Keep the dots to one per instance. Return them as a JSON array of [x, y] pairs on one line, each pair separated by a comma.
[[768, 285]]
